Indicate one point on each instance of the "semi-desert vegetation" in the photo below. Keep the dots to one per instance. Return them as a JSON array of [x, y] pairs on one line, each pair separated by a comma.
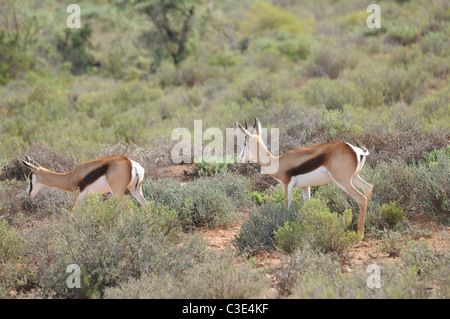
[[135, 70]]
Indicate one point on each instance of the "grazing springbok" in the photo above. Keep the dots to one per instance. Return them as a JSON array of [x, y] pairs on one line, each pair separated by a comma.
[[311, 166], [113, 174]]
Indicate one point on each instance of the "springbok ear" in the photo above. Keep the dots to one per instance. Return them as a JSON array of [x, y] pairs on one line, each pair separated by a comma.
[[29, 165], [34, 162], [242, 129], [256, 126]]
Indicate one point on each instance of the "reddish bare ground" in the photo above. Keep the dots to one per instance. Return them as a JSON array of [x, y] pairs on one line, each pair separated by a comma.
[[182, 172]]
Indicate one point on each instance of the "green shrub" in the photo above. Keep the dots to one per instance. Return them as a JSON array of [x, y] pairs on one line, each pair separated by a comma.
[[329, 61], [432, 157], [276, 195], [432, 193], [435, 42], [209, 201], [325, 231], [289, 237], [296, 48], [394, 181], [430, 264], [73, 47], [390, 243], [257, 232], [220, 278], [333, 94], [404, 34], [217, 276], [308, 273], [111, 241], [396, 283], [435, 108], [303, 261], [13, 62], [392, 213], [258, 86], [212, 165], [16, 268], [225, 58], [379, 83], [265, 17]]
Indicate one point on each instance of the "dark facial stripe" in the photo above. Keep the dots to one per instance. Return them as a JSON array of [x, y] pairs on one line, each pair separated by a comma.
[[30, 177], [92, 177], [307, 166]]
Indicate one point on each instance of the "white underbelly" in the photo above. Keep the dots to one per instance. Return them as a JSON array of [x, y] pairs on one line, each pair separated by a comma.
[[318, 177], [99, 186]]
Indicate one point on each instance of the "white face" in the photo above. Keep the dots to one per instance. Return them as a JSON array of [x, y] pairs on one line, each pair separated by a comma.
[[33, 185], [246, 154]]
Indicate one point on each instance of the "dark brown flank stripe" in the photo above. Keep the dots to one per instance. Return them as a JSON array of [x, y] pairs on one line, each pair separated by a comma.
[[307, 166], [92, 177]]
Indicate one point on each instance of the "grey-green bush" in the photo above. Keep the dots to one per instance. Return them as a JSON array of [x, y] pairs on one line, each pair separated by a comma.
[[112, 241]]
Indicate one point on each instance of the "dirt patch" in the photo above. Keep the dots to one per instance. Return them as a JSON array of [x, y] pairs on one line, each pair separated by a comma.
[[220, 239], [183, 172]]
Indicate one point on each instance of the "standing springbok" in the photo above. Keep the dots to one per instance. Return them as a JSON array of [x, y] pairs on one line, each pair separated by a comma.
[[311, 166], [113, 174]]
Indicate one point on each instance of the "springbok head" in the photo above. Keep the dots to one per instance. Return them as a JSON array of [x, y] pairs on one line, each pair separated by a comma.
[[34, 185], [250, 146]]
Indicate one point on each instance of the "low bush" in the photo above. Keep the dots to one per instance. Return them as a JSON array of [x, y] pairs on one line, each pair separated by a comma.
[[333, 94], [257, 86], [276, 195], [289, 237], [111, 241], [257, 232], [73, 45], [390, 243], [431, 264], [209, 201], [396, 283], [404, 34], [15, 267], [266, 17], [329, 61], [213, 165], [435, 42], [432, 194], [308, 273], [217, 276], [13, 62], [315, 224], [221, 278], [303, 261], [392, 213]]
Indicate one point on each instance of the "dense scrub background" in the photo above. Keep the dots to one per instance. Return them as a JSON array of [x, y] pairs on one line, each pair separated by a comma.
[[120, 85]]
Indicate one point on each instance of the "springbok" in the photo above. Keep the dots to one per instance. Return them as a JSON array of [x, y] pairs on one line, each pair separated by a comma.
[[113, 174], [311, 166]]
